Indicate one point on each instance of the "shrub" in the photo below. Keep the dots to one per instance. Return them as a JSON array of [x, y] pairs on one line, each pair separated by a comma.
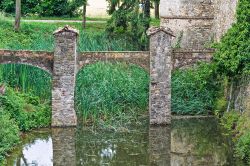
[[9, 134], [26, 110], [232, 55]]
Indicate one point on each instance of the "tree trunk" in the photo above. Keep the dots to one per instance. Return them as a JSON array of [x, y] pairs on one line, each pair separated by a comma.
[[18, 15], [147, 12], [84, 16], [157, 12]]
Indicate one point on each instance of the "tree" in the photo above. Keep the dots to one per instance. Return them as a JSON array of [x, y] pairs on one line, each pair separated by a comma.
[[18, 15], [157, 7], [112, 6], [147, 12], [84, 15], [128, 20]]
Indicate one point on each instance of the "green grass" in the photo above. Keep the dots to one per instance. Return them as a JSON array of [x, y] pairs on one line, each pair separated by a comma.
[[155, 22], [39, 36]]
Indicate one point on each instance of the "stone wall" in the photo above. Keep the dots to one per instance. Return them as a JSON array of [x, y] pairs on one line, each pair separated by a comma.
[[183, 58], [40, 59], [197, 23], [224, 16], [190, 20], [66, 62], [140, 58], [241, 94]]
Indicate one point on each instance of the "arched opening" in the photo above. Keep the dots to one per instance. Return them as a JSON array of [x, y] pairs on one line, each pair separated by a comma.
[[27, 95], [111, 92]]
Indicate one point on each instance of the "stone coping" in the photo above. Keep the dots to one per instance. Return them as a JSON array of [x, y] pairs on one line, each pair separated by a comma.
[[177, 117], [182, 50]]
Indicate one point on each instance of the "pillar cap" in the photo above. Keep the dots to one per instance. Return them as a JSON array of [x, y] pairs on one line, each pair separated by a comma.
[[153, 30], [66, 28]]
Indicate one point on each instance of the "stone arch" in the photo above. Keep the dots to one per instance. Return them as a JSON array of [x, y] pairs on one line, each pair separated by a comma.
[[140, 58], [42, 60]]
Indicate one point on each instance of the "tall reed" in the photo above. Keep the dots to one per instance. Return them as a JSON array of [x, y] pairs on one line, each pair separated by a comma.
[[27, 79], [107, 90]]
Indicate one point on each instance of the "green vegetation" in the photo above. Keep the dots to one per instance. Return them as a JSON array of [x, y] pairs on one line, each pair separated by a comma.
[[239, 126], [113, 93], [232, 55], [194, 91], [39, 36], [232, 61], [25, 104], [242, 148], [128, 19], [25, 79], [20, 112], [27, 110], [44, 7], [9, 134]]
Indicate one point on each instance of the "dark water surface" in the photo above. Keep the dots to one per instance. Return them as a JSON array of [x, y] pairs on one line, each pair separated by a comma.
[[194, 142]]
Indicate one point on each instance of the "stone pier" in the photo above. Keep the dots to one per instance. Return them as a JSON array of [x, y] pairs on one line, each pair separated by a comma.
[[160, 75], [64, 74]]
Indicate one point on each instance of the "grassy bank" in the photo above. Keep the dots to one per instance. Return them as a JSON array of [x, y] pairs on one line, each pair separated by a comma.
[[20, 112], [39, 36]]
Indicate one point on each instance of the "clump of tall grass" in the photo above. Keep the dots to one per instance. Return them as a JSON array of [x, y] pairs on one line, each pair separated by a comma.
[[195, 90], [111, 92], [27, 79]]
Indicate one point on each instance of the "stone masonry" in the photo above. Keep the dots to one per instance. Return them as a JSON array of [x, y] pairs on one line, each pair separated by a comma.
[[197, 23], [160, 75], [64, 74], [65, 62]]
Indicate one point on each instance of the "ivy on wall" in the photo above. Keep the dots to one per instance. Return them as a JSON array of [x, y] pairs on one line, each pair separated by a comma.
[[232, 55]]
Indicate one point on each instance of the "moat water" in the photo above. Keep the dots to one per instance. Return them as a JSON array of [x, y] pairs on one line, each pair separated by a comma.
[[188, 142]]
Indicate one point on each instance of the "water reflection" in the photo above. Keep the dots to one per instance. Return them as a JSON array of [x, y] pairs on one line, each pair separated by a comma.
[[199, 142], [193, 142]]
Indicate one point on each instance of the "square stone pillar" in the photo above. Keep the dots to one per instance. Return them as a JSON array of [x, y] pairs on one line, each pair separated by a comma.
[[64, 74], [160, 75]]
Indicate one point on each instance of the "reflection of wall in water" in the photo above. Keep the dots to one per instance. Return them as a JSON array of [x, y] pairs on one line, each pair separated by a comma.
[[159, 145], [199, 142], [64, 151]]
